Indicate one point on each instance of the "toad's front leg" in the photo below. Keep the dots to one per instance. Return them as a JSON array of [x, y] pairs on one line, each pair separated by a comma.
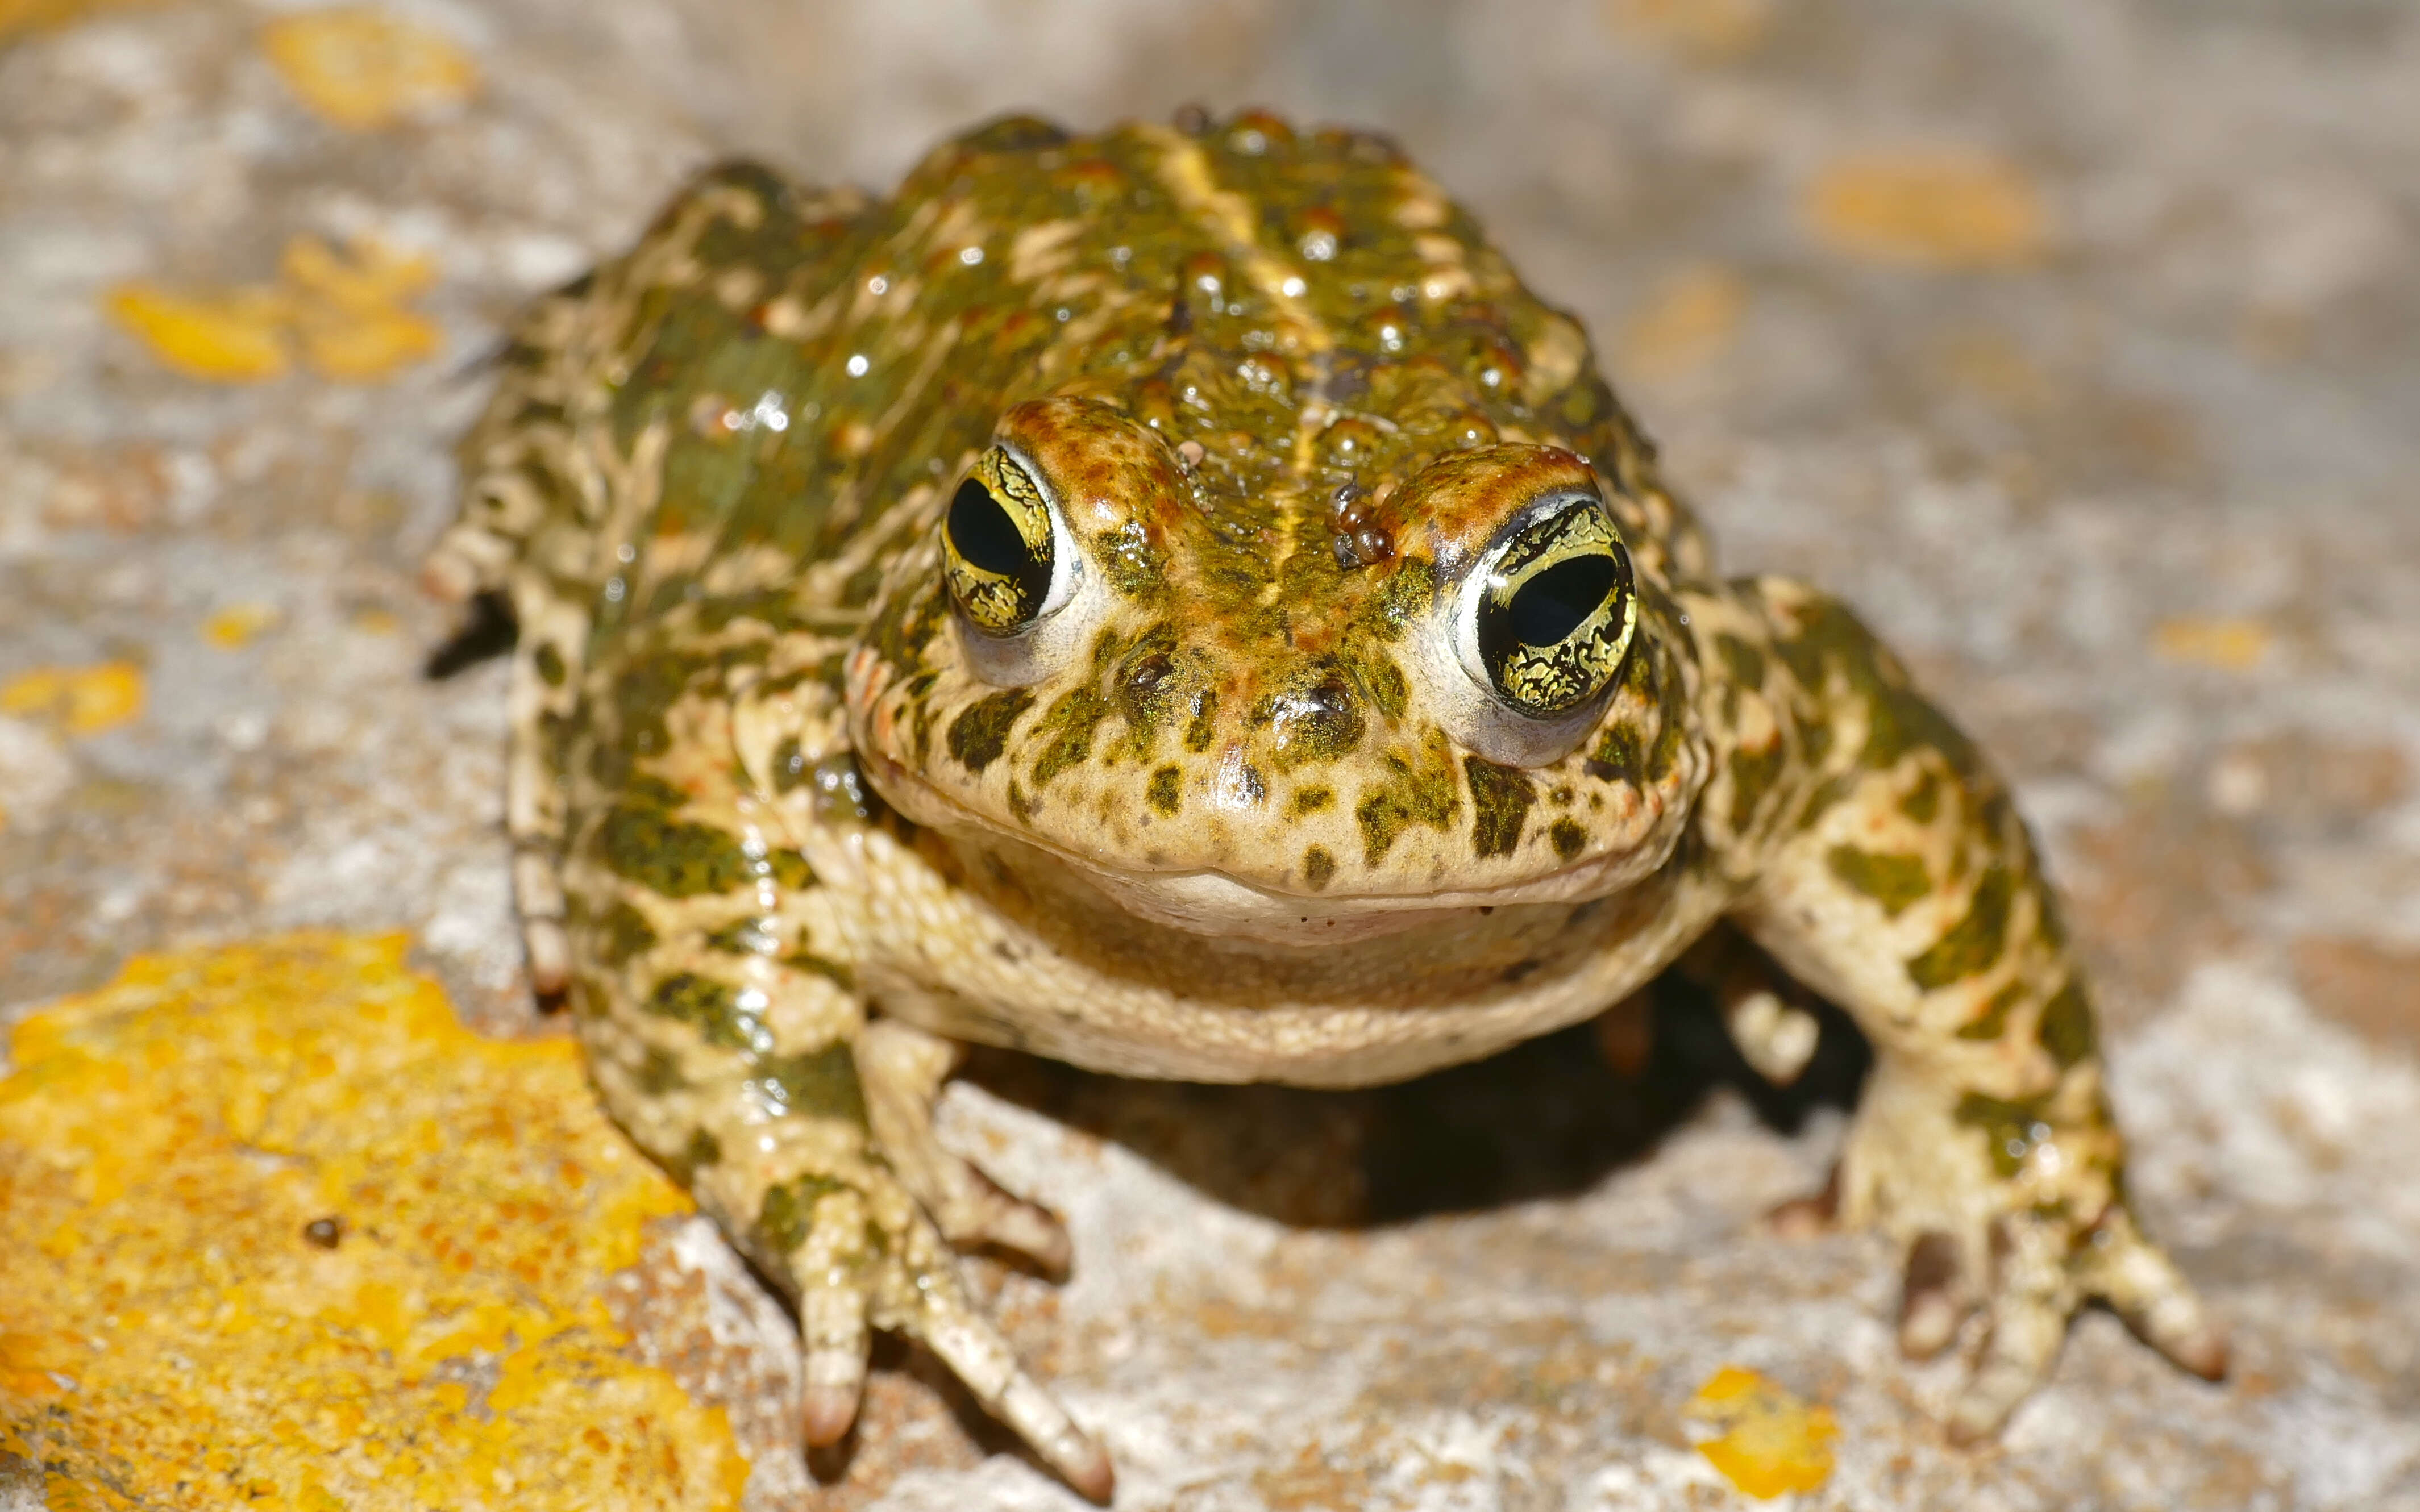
[[1897, 878], [724, 1028]]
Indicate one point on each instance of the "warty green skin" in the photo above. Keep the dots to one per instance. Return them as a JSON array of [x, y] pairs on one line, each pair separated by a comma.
[[784, 837]]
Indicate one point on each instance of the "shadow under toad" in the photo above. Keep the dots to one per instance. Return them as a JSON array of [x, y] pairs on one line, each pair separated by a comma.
[[1547, 1117]]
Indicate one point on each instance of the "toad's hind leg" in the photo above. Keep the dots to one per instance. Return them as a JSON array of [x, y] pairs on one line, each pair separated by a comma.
[[1896, 878]]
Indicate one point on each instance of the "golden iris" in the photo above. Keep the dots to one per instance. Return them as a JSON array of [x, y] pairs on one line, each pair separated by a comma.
[[997, 546], [1556, 611]]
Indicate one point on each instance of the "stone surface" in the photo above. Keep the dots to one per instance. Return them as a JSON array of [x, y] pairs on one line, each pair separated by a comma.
[[2073, 341]]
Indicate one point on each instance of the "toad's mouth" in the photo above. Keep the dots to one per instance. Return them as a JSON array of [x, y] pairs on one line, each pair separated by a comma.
[[1215, 902]]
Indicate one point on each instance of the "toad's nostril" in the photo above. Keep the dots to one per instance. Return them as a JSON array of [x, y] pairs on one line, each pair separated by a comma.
[[1147, 673]]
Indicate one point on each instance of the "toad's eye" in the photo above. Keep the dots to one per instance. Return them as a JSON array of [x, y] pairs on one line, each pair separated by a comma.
[[1552, 609], [1000, 548]]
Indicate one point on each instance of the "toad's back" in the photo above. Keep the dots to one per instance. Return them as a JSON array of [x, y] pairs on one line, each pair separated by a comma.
[[782, 370]]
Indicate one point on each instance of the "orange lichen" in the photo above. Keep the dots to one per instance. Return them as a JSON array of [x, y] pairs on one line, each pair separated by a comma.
[[1691, 318], [363, 69], [1938, 207], [234, 337], [1707, 29], [2232, 645], [21, 17], [1769, 1442], [283, 1234], [238, 625], [76, 701], [346, 309]]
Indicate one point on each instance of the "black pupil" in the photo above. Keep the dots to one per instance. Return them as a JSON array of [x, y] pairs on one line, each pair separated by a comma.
[[983, 534], [1551, 605]]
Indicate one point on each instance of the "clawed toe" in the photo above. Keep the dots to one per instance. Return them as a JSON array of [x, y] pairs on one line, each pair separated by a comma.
[[1810, 1216], [2154, 1299], [981, 1360], [1932, 1299], [832, 1322]]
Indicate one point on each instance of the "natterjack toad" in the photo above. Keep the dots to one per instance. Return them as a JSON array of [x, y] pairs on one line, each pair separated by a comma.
[[1172, 600]]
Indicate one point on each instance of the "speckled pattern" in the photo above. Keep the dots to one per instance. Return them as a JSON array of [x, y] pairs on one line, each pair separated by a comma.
[[2117, 460]]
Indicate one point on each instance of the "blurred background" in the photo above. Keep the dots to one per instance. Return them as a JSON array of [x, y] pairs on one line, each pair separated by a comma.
[[2076, 341]]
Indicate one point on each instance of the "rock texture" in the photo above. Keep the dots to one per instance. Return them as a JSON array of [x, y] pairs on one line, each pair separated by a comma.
[[2073, 341]]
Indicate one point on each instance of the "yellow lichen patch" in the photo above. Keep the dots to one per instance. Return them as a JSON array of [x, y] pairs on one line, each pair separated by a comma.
[[236, 337], [363, 69], [2233, 646], [1769, 1442], [238, 625], [350, 313], [1937, 207], [76, 701], [1689, 320], [345, 308], [1705, 28], [20, 17], [281, 1233]]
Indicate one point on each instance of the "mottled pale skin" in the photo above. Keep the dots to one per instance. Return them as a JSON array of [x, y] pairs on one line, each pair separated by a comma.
[[1245, 750]]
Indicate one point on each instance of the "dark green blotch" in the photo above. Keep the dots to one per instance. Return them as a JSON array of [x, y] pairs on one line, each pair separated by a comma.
[[789, 765], [1149, 685], [641, 841], [1824, 795], [645, 691], [1972, 944], [746, 937], [549, 662], [1163, 793], [1994, 1021], [1831, 640], [831, 970], [1895, 882], [1404, 599], [660, 1072], [702, 1150], [789, 1211], [1501, 797], [711, 1008], [1325, 721], [1618, 757], [980, 732], [1317, 867], [2067, 1029], [625, 931], [1069, 725], [791, 871], [1205, 727], [820, 1083], [1923, 801], [1430, 800], [1753, 774], [2050, 920], [1745, 662], [2009, 1127], [840, 789], [1568, 836], [1133, 565]]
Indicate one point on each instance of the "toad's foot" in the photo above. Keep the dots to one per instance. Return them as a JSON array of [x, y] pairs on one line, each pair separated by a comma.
[[863, 1228], [862, 1254], [2026, 1233]]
